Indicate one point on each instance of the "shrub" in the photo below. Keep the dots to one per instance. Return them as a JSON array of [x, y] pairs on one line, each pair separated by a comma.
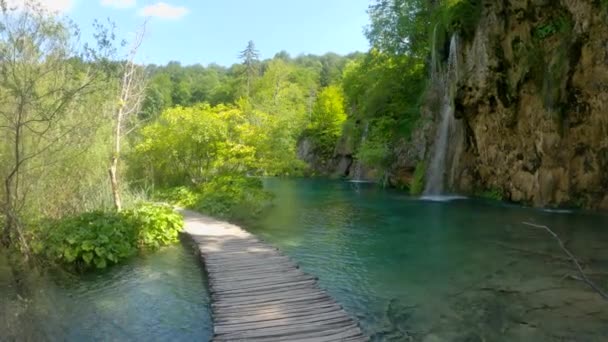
[[182, 196], [228, 196], [90, 240], [417, 185], [155, 225], [232, 196], [98, 239]]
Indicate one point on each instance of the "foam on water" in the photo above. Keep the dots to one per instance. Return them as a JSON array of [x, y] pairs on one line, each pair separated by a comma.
[[442, 198]]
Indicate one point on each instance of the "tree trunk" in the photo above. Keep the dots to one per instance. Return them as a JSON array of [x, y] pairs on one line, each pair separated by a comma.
[[6, 231], [114, 181], [131, 94]]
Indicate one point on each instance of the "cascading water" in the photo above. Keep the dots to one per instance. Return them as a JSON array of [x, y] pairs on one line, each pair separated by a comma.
[[435, 181], [357, 173]]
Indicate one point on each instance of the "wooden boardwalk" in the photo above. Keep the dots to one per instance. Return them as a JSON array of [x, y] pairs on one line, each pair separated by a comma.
[[258, 294]]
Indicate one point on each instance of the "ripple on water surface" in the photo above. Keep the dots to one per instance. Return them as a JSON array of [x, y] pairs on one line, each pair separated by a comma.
[[460, 270]]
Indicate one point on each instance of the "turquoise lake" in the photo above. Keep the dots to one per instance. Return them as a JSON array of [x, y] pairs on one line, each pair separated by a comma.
[[462, 270], [406, 268]]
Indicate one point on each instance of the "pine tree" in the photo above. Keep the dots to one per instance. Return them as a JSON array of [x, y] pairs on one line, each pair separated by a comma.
[[250, 57]]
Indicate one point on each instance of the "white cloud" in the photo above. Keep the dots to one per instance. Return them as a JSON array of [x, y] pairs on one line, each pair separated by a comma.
[[164, 11], [119, 3], [56, 6]]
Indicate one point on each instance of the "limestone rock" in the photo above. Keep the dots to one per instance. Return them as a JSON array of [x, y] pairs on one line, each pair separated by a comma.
[[536, 106]]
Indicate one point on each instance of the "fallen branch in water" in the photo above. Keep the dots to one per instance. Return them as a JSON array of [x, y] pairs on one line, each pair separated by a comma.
[[572, 258], [533, 252]]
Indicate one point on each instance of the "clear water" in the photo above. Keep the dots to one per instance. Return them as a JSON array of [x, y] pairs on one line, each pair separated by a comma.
[[157, 297], [459, 270], [408, 269]]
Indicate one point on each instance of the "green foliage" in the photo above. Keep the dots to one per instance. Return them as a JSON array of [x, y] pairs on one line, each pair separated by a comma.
[[189, 146], [155, 225], [381, 86], [181, 196], [327, 120], [373, 153], [417, 185], [400, 27], [377, 147], [90, 240], [98, 239], [494, 194], [53, 123], [561, 24], [229, 196], [328, 113], [461, 16], [233, 197], [226, 196], [549, 63]]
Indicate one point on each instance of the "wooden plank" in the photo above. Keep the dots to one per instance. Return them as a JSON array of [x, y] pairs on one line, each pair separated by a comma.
[[273, 309], [232, 318], [250, 257], [279, 322], [255, 301], [264, 297], [296, 274], [294, 331], [255, 272], [273, 287], [257, 280], [259, 294], [238, 265]]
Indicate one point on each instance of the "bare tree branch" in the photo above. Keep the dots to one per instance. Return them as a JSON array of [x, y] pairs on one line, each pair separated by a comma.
[[130, 99], [575, 261]]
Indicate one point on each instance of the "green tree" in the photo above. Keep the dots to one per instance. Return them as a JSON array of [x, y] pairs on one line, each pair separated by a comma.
[[250, 57], [401, 26], [328, 113], [45, 84], [328, 117]]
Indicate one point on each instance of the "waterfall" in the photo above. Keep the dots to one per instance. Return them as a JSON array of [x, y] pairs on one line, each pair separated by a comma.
[[357, 172], [435, 181]]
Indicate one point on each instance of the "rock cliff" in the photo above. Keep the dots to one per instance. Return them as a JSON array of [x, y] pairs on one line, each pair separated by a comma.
[[533, 102]]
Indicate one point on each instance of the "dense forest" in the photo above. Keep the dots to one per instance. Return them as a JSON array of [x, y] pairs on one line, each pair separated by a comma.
[[192, 135], [88, 135]]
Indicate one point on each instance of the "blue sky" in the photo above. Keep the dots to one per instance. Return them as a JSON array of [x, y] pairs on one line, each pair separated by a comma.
[[205, 31]]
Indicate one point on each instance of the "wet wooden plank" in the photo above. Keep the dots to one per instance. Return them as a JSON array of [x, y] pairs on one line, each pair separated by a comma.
[[259, 294]]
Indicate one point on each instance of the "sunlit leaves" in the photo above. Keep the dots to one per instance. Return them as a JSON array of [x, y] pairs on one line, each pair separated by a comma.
[[98, 239]]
